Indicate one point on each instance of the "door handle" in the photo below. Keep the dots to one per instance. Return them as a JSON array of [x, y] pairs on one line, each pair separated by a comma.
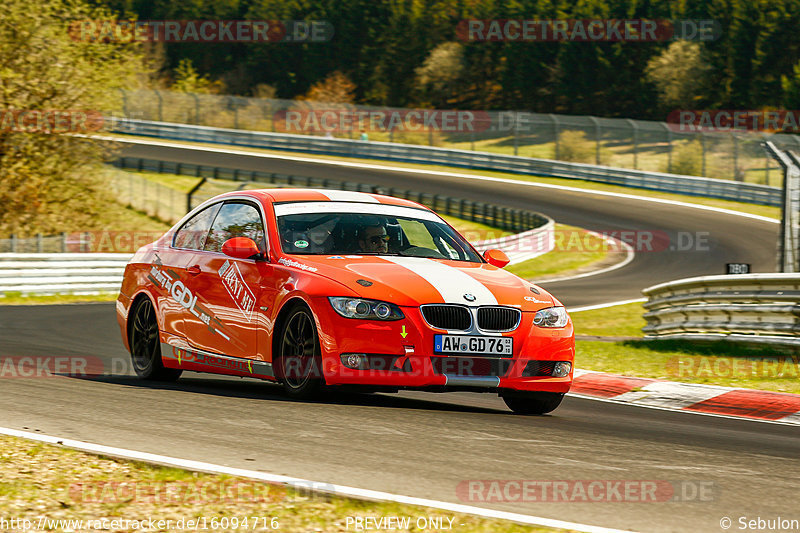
[[194, 270]]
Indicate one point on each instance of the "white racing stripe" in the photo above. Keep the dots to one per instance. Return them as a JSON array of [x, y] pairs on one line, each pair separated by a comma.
[[295, 208], [346, 196], [450, 282]]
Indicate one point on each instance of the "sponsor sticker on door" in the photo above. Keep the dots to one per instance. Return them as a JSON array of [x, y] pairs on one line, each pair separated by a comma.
[[234, 283]]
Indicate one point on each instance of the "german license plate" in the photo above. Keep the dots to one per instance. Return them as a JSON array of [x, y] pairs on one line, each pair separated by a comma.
[[473, 344]]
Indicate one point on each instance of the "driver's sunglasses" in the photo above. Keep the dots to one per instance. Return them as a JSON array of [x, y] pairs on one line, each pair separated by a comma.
[[377, 239]]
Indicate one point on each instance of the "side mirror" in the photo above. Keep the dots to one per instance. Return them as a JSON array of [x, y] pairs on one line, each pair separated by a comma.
[[496, 257], [240, 248]]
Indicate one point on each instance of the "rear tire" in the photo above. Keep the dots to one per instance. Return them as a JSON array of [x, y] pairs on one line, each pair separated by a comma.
[[532, 403], [145, 345], [299, 355]]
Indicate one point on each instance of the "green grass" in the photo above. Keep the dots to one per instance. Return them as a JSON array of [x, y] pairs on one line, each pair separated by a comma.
[[51, 481], [565, 259], [718, 363], [772, 212], [618, 321]]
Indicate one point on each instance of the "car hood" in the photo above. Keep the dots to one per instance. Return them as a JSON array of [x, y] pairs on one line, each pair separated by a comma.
[[412, 281]]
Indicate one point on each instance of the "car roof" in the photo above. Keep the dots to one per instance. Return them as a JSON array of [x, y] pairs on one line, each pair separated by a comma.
[[322, 195]]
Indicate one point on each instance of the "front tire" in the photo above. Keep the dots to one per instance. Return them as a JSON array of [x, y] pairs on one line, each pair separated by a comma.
[[299, 355], [145, 345], [532, 403]]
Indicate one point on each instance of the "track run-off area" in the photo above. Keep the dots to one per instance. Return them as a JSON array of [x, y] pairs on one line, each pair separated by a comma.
[[427, 445]]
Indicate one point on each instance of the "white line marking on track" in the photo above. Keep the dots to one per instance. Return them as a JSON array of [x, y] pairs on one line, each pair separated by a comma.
[[630, 254], [303, 484], [603, 306]]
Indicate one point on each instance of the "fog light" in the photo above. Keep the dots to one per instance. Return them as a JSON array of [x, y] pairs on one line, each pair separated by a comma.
[[561, 369], [355, 361]]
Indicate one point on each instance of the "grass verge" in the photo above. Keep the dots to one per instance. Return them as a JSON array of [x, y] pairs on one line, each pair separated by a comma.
[[577, 250], [713, 363], [40, 480]]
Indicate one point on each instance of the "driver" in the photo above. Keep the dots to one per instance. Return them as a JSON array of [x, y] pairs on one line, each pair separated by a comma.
[[373, 239]]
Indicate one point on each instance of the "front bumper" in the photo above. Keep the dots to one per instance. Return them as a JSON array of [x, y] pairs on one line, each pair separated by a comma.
[[402, 356]]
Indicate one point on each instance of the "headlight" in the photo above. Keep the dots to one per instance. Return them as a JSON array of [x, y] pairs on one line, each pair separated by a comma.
[[365, 309], [552, 317]]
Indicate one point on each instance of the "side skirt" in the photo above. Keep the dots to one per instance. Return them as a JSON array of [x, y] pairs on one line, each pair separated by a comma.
[[202, 361]]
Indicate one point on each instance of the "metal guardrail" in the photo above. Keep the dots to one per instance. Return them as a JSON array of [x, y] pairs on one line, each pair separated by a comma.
[[72, 273], [674, 183], [753, 308], [516, 220]]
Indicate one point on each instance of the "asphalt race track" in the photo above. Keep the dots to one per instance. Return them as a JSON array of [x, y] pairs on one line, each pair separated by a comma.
[[429, 445]]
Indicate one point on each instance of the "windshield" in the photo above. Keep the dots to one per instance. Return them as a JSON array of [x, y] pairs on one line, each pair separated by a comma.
[[326, 229]]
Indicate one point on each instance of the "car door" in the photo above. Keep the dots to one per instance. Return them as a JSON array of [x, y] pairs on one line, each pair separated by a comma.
[[168, 273], [232, 288]]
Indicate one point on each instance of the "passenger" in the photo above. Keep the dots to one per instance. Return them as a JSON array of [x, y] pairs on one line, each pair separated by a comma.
[[320, 238]]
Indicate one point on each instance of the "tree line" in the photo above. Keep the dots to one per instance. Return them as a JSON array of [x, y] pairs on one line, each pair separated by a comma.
[[408, 53]]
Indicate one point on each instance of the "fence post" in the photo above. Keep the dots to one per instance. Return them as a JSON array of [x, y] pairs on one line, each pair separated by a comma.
[[703, 145], [556, 132], [516, 133], [736, 158], [196, 109], [235, 112], [63, 242], [13, 243], [596, 139], [635, 143], [669, 147], [39, 243], [160, 106], [124, 102], [191, 193]]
